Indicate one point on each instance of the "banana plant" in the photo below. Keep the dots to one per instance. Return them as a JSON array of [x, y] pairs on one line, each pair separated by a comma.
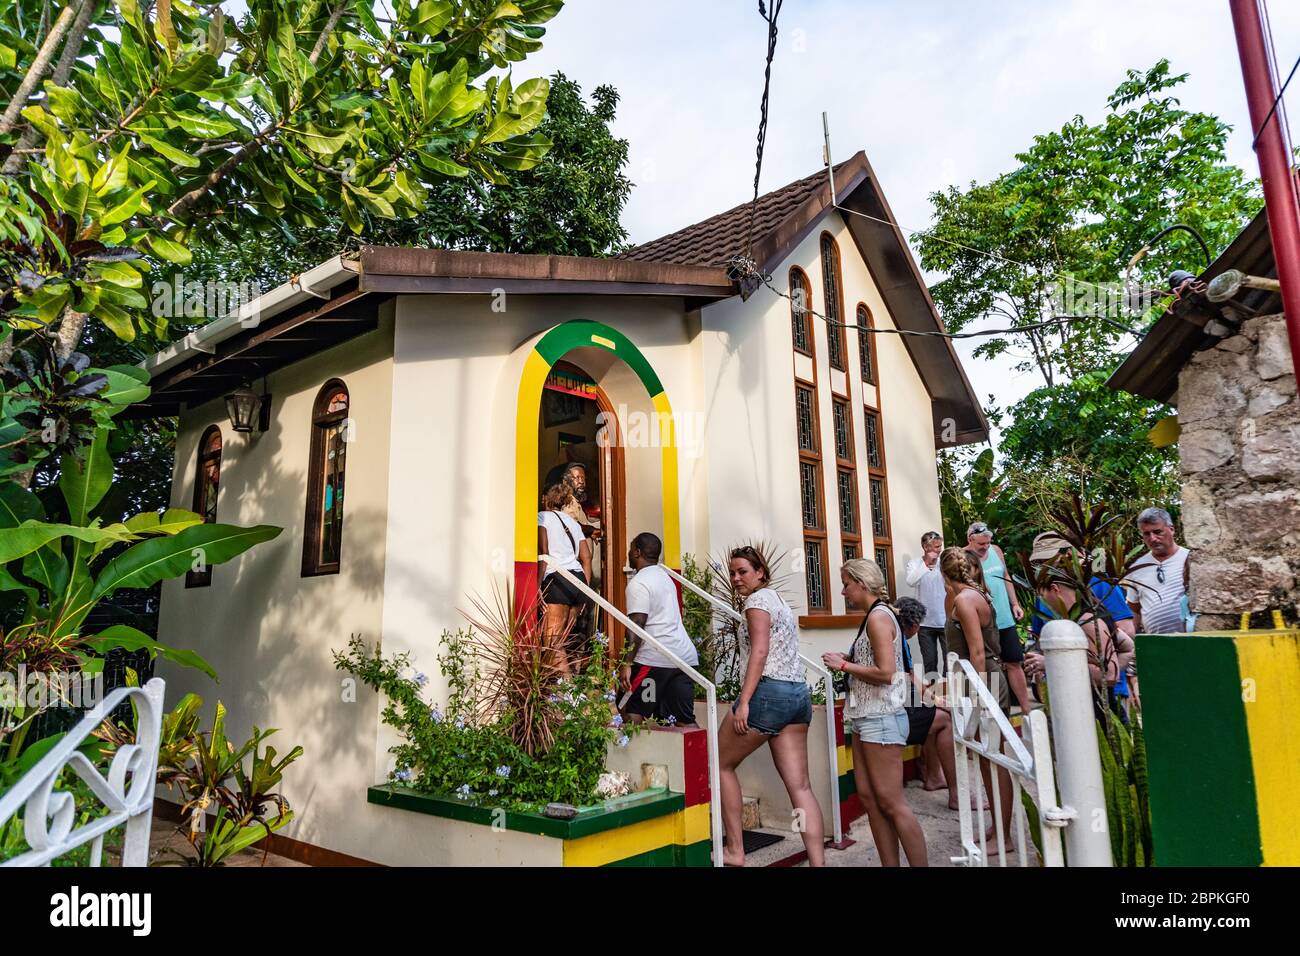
[[61, 570]]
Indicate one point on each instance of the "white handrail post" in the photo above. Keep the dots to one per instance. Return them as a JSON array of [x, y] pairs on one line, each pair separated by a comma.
[[1078, 761], [135, 844]]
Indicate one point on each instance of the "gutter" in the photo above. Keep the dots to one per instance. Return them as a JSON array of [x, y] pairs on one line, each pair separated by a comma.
[[316, 282]]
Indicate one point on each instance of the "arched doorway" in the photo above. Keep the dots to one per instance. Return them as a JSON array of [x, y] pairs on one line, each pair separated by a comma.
[[577, 338]]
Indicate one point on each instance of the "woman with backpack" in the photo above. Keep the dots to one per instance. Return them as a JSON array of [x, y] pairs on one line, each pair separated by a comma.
[[877, 691]]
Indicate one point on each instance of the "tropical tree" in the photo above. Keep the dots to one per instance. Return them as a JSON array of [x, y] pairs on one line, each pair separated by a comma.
[[1054, 239], [569, 204], [189, 124], [1054, 236]]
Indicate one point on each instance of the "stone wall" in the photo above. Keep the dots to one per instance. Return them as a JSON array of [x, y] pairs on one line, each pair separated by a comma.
[[1240, 454]]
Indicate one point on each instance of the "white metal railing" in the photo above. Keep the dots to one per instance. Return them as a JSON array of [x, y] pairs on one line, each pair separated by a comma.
[[980, 730], [828, 686], [48, 815], [710, 691]]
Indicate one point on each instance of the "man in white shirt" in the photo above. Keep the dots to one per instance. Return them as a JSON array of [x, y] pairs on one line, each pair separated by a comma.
[[655, 686], [923, 574], [1156, 585]]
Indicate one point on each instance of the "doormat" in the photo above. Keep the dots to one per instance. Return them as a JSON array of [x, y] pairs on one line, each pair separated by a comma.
[[756, 840]]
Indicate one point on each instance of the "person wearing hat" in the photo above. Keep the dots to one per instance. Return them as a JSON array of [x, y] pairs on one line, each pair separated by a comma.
[[1111, 607], [993, 563]]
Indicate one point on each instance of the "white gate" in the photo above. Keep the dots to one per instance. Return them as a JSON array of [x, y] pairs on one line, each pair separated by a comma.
[[982, 732], [48, 815]]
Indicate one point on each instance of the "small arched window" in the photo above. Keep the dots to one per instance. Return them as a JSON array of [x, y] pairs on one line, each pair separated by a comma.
[[330, 434], [866, 344], [207, 479], [800, 320], [832, 290]]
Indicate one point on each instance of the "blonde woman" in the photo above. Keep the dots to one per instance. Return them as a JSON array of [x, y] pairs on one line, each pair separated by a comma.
[[875, 706], [972, 634], [774, 708]]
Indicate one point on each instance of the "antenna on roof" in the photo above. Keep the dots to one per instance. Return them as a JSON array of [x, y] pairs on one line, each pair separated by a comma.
[[826, 156]]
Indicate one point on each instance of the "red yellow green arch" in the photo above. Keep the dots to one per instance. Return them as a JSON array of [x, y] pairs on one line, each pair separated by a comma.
[[550, 348]]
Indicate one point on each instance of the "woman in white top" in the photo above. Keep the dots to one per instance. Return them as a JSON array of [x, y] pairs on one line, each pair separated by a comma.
[[877, 692], [774, 707], [561, 537]]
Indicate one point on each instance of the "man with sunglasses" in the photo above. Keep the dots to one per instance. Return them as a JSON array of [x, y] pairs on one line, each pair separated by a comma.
[[1157, 583]]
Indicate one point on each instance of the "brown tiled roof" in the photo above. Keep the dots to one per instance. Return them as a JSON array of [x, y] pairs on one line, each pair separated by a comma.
[[715, 240]]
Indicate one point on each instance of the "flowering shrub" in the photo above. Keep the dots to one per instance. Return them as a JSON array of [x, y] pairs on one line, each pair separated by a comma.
[[468, 752]]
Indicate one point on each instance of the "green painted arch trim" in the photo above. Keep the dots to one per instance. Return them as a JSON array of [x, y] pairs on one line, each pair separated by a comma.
[[583, 333]]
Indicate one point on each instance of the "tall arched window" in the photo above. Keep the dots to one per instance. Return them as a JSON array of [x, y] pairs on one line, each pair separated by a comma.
[[207, 479], [323, 537], [800, 320], [866, 344], [832, 292]]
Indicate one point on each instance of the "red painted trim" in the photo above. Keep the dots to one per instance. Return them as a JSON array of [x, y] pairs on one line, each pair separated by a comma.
[[526, 595], [695, 758], [839, 723]]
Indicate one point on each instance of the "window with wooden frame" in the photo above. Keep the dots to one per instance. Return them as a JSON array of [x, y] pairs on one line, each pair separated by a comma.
[[207, 479], [833, 295], [846, 479], [867, 345], [800, 320], [326, 471], [878, 492], [811, 497]]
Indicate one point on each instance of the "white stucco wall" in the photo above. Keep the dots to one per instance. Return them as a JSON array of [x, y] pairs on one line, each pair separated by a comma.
[[267, 630], [747, 376], [452, 486]]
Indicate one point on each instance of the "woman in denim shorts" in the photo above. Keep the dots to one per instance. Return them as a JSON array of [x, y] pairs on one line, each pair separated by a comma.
[[875, 707], [774, 707]]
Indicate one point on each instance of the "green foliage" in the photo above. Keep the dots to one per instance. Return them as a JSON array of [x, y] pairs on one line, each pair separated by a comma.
[[469, 752], [1061, 229], [57, 572], [1083, 436], [569, 204], [1083, 200], [179, 122], [208, 770], [1128, 810]]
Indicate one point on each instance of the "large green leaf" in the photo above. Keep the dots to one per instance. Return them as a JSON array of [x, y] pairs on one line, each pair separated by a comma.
[[130, 639], [17, 505], [123, 388], [32, 535], [171, 521], [84, 479], [149, 562]]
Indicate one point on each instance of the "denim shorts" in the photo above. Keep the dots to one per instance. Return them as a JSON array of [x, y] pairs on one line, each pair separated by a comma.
[[778, 703], [885, 729]]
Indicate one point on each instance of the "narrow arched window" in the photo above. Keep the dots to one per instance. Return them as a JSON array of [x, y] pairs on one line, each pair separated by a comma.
[[330, 434], [800, 321], [866, 344], [207, 479], [832, 293]]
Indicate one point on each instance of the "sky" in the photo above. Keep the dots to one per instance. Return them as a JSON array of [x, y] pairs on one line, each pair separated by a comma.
[[936, 92]]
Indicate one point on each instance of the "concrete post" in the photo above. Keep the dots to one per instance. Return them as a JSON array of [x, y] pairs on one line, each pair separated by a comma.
[[1074, 730]]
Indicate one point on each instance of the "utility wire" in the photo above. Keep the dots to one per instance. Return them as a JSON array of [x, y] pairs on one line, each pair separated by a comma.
[[1273, 109], [1056, 322], [770, 17]]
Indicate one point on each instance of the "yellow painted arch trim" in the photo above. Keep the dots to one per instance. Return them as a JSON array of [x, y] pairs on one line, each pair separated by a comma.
[[527, 409]]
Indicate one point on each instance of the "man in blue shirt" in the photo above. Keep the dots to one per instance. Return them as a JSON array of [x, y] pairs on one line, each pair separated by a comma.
[[1048, 546]]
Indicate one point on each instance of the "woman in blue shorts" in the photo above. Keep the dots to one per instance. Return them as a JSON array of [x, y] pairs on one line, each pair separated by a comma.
[[774, 708], [877, 693]]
